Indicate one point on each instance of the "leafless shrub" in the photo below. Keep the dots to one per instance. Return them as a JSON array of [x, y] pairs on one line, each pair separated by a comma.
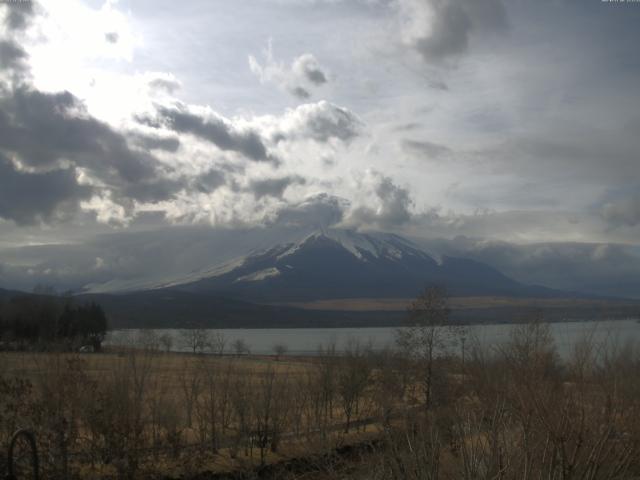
[[354, 375], [240, 347], [280, 349], [427, 334], [190, 387], [197, 340], [166, 341], [218, 343], [410, 453], [270, 409]]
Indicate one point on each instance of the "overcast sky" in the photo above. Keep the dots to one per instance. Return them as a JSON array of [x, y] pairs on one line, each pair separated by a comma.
[[515, 121]]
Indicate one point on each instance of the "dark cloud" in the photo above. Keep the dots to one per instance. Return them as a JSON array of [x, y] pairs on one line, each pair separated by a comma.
[[156, 142], [51, 137], [322, 210], [440, 29], [299, 79], [167, 83], [45, 131], [424, 148], [307, 67], [65, 132], [152, 190], [28, 198], [19, 14], [218, 131], [12, 57], [316, 76], [111, 37], [210, 181], [623, 212], [274, 187], [300, 93]]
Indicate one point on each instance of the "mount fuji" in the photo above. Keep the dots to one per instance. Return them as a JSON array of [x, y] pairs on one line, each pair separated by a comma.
[[327, 278], [338, 264]]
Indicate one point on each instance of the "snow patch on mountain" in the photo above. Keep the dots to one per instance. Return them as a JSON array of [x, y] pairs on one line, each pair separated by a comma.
[[260, 275], [361, 245]]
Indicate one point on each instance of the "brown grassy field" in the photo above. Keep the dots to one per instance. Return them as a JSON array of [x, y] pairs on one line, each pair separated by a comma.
[[461, 303], [178, 413], [511, 413]]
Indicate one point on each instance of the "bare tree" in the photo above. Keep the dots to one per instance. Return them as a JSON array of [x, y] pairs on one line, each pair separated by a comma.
[[166, 341], [218, 343], [147, 340], [353, 378], [195, 339], [240, 347], [280, 349], [426, 333], [390, 384], [191, 386]]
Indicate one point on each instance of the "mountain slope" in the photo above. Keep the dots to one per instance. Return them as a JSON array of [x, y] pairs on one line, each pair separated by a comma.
[[347, 264]]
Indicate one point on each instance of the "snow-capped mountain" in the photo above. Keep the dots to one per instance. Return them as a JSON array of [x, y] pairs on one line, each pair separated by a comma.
[[336, 263]]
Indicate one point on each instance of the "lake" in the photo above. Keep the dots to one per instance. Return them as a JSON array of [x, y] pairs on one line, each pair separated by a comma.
[[305, 341]]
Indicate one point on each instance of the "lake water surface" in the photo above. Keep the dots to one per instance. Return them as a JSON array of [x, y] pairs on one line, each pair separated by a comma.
[[305, 341]]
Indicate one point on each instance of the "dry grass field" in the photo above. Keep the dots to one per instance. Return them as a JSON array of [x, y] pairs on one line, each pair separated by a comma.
[[143, 412], [460, 303], [513, 413]]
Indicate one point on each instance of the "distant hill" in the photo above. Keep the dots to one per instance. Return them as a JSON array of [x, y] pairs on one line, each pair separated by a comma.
[[178, 309], [171, 309], [4, 294]]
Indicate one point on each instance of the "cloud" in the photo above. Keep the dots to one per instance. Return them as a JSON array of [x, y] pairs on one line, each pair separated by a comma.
[[624, 212], [320, 210], [321, 121], [442, 29], [603, 153], [156, 142], [65, 132], [51, 137], [18, 15], [301, 93], [274, 187], [12, 56], [423, 148], [392, 205], [597, 268], [216, 129], [299, 79], [306, 66], [28, 198], [112, 37], [165, 82], [210, 181], [152, 190]]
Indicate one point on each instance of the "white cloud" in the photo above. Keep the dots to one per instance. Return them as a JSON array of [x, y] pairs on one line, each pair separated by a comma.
[[442, 29], [299, 79]]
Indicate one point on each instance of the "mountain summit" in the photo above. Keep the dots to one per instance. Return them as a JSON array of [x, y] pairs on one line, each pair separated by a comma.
[[337, 263]]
